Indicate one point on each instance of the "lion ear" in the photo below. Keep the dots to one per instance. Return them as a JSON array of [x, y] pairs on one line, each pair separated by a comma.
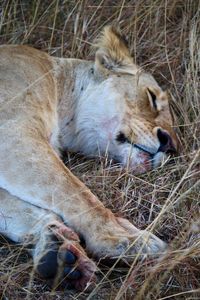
[[113, 53]]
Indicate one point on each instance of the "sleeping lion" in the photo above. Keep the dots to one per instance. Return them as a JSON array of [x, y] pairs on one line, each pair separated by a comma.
[[49, 104]]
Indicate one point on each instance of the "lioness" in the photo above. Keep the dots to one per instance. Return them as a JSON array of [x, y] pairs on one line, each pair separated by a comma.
[[106, 106]]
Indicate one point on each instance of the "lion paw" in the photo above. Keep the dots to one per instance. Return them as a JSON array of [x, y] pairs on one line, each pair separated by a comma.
[[65, 261], [147, 243], [126, 239]]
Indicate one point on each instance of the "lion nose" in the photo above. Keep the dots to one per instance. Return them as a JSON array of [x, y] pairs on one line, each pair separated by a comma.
[[166, 143]]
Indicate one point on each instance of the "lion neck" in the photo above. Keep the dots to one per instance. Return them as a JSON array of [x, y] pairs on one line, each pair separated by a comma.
[[87, 111], [73, 78]]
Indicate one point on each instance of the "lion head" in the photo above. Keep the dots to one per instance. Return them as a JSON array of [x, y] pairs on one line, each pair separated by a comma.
[[123, 112]]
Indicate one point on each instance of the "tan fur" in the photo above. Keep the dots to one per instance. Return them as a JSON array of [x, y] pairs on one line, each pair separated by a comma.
[[39, 113], [112, 46]]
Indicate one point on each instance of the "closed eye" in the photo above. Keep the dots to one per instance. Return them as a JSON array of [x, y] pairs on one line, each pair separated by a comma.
[[121, 138]]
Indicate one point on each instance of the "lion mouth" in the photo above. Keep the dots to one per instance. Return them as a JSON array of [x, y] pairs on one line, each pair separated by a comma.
[[145, 149], [151, 158], [146, 159]]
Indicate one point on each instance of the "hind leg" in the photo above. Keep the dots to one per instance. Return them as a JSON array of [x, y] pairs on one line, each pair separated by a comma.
[[57, 253]]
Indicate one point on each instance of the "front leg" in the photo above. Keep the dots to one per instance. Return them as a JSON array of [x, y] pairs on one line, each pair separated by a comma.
[[37, 175]]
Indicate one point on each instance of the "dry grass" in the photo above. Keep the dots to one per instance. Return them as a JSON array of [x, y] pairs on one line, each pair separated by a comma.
[[164, 36]]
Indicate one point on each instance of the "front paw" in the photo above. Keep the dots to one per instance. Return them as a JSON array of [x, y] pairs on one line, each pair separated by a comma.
[[147, 243], [124, 239], [142, 241]]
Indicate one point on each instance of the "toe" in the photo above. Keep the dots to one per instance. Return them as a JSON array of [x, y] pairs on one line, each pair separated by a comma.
[[47, 266], [72, 274], [70, 258], [159, 245], [153, 243]]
